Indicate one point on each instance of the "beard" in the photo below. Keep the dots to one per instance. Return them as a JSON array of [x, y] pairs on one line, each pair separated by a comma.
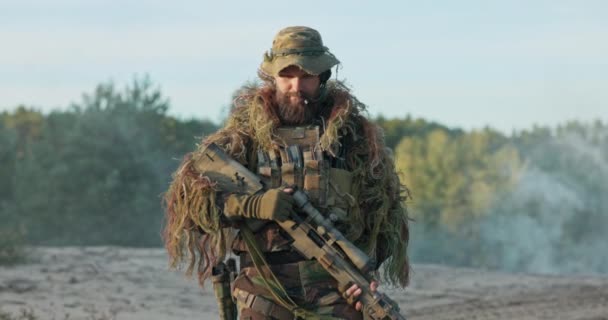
[[298, 111]]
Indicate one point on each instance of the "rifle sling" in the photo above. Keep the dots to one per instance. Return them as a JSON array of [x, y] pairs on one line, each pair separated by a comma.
[[273, 285]]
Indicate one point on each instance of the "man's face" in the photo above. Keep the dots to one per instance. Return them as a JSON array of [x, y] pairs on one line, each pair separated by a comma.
[[296, 91], [292, 81]]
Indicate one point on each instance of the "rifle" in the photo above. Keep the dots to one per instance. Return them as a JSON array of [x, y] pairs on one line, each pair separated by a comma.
[[314, 236]]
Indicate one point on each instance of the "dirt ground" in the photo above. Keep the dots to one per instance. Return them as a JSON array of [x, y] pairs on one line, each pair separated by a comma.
[[122, 283]]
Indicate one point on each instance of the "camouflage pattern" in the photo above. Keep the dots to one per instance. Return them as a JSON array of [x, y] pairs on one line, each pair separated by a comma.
[[223, 276], [299, 46], [269, 238], [335, 191], [307, 284], [361, 186]]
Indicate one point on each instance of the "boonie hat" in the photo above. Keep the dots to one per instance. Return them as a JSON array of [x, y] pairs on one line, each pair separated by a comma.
[[299, 46]]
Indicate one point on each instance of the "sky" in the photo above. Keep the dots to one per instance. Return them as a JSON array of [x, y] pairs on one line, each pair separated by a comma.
[[468, 64]]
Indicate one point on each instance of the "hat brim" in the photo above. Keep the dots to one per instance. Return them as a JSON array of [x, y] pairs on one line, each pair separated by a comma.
[[314, 65]]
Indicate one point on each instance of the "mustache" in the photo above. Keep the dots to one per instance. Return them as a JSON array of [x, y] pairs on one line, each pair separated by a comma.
[[295, 112], [305, 98]]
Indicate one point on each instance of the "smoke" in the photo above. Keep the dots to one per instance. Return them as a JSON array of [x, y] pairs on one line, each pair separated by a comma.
[[526, 225], [555, 218]]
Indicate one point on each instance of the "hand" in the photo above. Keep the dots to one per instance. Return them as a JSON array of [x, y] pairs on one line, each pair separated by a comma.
[[274, 204], [354, 291]]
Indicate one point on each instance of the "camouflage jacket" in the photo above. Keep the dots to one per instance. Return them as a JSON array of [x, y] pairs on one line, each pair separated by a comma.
[[367, 198]]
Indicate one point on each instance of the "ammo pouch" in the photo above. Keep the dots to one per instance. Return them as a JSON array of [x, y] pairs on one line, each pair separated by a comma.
[[296, 159], [262, 305]]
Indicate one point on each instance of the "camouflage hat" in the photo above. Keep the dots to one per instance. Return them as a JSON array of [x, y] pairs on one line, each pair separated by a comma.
[[299, 46]]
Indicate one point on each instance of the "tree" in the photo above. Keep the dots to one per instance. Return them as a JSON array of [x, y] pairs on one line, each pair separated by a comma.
[[454, 181]]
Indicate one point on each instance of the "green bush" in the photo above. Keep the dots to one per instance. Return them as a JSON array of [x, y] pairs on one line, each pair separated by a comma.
[[11, 247]]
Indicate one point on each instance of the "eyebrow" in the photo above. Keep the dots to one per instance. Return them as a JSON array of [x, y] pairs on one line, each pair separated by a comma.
[[304, 74]]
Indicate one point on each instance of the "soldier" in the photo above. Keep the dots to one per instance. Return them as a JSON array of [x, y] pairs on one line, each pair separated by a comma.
[[296, 127]]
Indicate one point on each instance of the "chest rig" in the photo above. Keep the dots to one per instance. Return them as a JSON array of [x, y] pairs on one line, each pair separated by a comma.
[[296, 159]]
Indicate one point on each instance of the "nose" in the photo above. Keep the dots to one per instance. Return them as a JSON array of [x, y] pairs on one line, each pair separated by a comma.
[[296, 84]]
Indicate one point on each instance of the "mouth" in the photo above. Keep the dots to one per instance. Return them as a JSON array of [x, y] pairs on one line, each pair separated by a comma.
[[297, 98]]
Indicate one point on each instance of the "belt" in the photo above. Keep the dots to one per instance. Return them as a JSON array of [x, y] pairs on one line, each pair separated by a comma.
[[273, 258]]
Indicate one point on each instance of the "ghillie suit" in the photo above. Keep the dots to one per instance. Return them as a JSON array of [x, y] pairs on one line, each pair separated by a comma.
[[373, 218]]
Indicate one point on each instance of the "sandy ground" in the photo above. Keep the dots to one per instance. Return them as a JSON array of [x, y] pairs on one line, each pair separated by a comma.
[[123, 283]]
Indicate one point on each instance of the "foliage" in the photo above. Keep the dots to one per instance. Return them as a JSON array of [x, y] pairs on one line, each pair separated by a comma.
[[11, 239], [396, 129], [454, 181], [558, 204], [11, 247], [455, 177], [533, 202], [93, 174]]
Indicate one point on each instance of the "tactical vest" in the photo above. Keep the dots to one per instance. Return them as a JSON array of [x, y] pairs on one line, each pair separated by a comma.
[[297, 160]]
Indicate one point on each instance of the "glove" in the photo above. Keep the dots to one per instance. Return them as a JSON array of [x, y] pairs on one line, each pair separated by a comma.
[[273, 204]]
